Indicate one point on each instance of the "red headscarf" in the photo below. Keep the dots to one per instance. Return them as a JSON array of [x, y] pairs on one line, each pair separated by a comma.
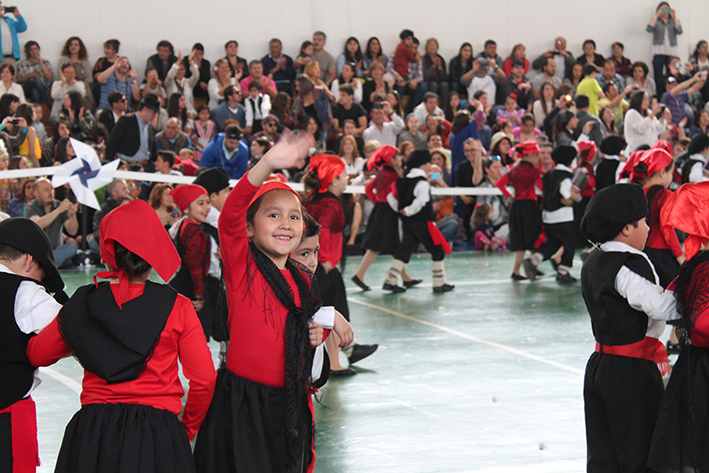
[[663, 144], [381, 157], [687, 209], [328, 167], [151, 242], [589, 146], [656, 159], [185, 194], [526, 148], [629, 166]]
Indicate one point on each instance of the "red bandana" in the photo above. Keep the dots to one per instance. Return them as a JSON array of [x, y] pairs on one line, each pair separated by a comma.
[[328, 167], [381, 157], [687, 209], [185, 194]]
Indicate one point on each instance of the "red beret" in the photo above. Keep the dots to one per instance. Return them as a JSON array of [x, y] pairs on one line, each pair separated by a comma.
[[629, 166], [185, 194]]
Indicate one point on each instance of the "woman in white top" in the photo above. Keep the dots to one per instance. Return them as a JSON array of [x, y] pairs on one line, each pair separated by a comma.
[[217, 84], [543, 106], [177, 83], [354, 164], [641, 125], [347, 76], [7, 86]]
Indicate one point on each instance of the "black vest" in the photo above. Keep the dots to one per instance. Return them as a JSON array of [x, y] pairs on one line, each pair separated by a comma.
[[552, 182], [687, 169], [613, 321], [16, 371], [405, 189], [605, 173]]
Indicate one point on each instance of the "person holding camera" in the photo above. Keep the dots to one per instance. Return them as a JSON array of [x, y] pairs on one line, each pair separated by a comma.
[[678, 94], [15, 23], [643, 125], [119, 76]]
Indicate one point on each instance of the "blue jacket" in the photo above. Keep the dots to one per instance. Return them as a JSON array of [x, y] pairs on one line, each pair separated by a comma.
[[456, 142], [16, 26], [658, 32], [215, 157]]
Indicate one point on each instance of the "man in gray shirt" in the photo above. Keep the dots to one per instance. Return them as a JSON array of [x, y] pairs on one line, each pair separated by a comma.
[[328, 65]]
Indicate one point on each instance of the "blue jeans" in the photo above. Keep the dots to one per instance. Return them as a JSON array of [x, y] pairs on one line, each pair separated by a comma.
[[416, 95], [36, 91], [659, 61], [64, 252]]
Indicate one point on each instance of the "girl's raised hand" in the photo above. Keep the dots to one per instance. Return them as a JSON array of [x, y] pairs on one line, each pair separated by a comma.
[[290, 151]]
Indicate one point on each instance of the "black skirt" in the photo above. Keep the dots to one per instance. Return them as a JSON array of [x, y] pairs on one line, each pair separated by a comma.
[[382, 233], [681, 440], [124, 438], [244, 430], [665, 263], [525, 225]]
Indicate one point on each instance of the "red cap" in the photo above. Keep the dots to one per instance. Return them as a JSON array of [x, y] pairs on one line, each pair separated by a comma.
[[527, 148], [589, 146], [328, 167], [152, 243], [687, 209], [381, 157], [185, 194]]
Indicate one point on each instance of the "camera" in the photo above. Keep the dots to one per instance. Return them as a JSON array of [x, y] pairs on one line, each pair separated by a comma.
[[435, 176], [8, 9], [483, 62], [15, 121], [568, 100]]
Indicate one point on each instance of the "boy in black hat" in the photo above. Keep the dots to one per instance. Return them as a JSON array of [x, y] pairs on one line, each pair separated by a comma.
[[27, 272], [415, 206], [628, 308], [609, 169], [558, 217]]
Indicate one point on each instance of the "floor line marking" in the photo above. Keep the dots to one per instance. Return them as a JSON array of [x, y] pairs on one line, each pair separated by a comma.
[[468, 283], [65, 380], [470, 337]]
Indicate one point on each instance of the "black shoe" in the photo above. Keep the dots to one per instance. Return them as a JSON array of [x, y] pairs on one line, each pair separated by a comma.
[[360, 352], [538, 273], [565, 278], [345, 372], [529, 269], [393, 288], [673, 348], [360, 283], [444, 288], [412, 283], [517, 277], [554, 264]]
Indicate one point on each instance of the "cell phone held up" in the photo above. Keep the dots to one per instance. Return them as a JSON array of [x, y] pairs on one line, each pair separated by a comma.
[[7, 9]]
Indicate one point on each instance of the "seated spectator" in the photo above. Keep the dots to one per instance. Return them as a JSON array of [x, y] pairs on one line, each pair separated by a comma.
[[17, 207], [348, 152], [172, 138], [279, 66], [281, 109], [161, 200], [347, 77], [349, 129], [526, 131], [429, 106], [510, 113], [62, 131], [404, 150], [238, 68], [270, 129], [494, 61], [460, 68], [608, 126], [374, 84], [373, 53], [609, 74], [412, 133], [35, 74], [177, 80], [518, 52], [312, 71], [481, 80], [110, 51], [133, 136], [447, 221], [640, 78], [162, 61], [352, 54], [30, 146], [699, 60], [590, 56], [74, 53], [116, 190], [256, 74], [219, 83], [678, 94], [623, 66], [7, 85], [548, 75], [312, 101], [177, 108], [516, 84], [500, 145], [575, 77], [438, 128], [463, 127], [544, 104], [165, 163], [384, 132], [257, 105], [563, 58], [52, 215], [227, 151], [469, 173], [406, 67], [500, 204], [259, 147], [616, 101], [589, 86], [62, 87], [153, 85], [119, 76], [452, 106], [38, 125], [434, 71], [204, 130], [230, 108], [395, 101], [304, 57], [327, 63], [80, 120], [117, 107], [701, 123], [348, 109]]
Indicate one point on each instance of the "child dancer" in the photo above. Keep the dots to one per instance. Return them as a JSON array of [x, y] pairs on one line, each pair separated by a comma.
[[27, 272], [415, 206], [558, 217], [485, 239], [128, 334], [628, 308], [609, 168], [525, 218], [260, 418]]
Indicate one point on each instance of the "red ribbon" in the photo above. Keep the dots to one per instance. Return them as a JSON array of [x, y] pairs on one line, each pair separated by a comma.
[[25, 451], [438, 238]]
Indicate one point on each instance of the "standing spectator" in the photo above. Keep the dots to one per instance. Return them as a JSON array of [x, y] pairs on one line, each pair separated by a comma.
[[518, 52], [51, 215], [219, 83], [434, 71], [548, 75], [328, 65], [205, 71], [677, 95], [133, 136], [230, 108], [373, 54], [204, 130], [177, 81], [256, 74], [460, 68], [119, 76], [171, 138], [227, 151], [665, 27], [162, 61], [12, 22], [7, 85], [346, 108], [590, 56], [257, 105], [110, 115], [237, 65], [640, 78], [74, 53], [463, 127], [352, 54], [62, 87], [563, 58], [609, 75], [588, 123], [589, 86], [495, 62], [35, 74], [623, 66], [304, 57], [279, 66], [381, 130]]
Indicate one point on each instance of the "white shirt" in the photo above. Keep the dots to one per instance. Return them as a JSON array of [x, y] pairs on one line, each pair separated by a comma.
[[15, 89], [6, 36], [485, 83], [356, 98], [565, 213], [253, 111], [643, 295], [641, 130], [171, 84], [696, 174], [215, 264], [34, 310], [388, 133], [422, 194]]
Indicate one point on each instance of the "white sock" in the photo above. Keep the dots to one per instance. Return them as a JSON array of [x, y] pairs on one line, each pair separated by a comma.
[[536, 258], [439, 274], [563, 269], [394, 272]]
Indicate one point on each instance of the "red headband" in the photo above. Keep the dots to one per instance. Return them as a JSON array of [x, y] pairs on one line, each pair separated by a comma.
[[269, 186], [381, 157], [151, 242], [687, 209], [589, 146], [185, 194], [527, 148], [328, 167]]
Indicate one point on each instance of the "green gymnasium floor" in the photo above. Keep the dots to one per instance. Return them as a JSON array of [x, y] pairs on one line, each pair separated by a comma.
[[487, 378]]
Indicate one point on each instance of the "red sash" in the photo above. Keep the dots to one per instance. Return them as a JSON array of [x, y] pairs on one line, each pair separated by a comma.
[[437, 237], [647, 349], [25, 451]]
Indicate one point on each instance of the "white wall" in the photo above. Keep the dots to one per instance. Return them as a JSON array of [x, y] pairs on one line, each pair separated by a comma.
[[140, 24]]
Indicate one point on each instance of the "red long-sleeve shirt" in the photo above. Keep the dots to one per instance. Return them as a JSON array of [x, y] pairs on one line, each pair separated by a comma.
[[656, 237], [328, 212], [402, 57], [159, 385], [380, 187], [524, 177]]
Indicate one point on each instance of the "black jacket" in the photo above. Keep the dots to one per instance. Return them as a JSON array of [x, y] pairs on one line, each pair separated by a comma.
[[125, 138]]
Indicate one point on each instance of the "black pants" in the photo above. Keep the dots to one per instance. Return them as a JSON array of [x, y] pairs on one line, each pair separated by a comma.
[[415, 232], [332, 290], [5, 443], [558, 235]]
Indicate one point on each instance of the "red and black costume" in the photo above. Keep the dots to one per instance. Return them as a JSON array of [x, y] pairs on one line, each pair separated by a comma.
[[382, 233]]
